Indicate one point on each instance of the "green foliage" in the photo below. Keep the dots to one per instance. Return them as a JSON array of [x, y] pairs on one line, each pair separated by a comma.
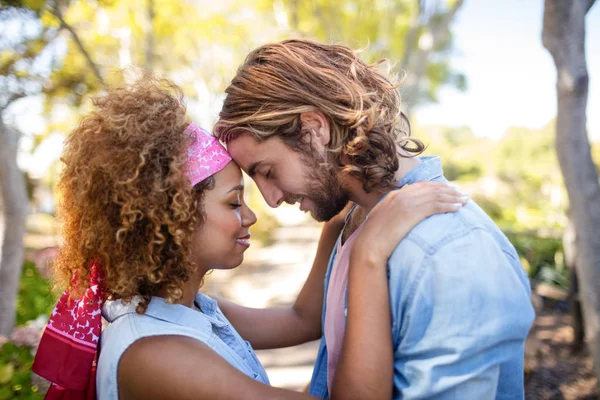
[[463, 154], [527, 155], [525, 161], [200, 45], [35, 298], [192, 43], [35, 295], [387, 29], [440, 73], [555, 275], [517, 181], [21, 55], [539, 252], [493, 209], [461, 171], [15, 373]]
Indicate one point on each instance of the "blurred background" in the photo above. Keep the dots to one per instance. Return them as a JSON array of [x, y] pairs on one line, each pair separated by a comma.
[[481, 92]]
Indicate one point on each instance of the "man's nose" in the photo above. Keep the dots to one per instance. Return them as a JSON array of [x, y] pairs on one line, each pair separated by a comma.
[[271, 193]]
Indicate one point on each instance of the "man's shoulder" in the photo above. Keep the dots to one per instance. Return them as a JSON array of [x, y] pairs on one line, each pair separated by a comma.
[[457, 257], [468, 231], [439, 230]]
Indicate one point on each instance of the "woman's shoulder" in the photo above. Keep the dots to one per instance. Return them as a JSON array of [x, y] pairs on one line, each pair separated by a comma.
[[161, 321], [160, 318], [139, 338]]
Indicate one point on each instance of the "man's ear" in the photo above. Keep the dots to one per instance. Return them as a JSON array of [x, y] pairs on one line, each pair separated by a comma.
[[319, 127]]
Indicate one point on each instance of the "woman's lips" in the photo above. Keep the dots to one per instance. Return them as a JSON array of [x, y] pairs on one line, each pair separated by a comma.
[[244, 241]]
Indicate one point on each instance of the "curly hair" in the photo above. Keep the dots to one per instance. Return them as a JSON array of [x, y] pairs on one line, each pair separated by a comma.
[[124, 196], [277, 82]]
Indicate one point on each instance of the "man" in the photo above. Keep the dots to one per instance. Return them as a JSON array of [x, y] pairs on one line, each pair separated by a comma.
[[313, 124]]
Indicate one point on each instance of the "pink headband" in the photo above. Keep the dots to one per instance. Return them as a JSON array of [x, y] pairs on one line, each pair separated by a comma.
[[206, 156]]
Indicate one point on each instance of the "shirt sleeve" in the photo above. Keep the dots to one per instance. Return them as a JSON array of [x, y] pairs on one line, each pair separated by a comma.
[[460, 317]]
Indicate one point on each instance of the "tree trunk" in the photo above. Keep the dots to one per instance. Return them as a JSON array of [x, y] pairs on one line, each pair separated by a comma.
[[570, 250], [564, 37], [14, 211]]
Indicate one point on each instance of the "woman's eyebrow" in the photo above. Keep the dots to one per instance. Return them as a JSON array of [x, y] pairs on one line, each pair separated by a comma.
[[238, 187]]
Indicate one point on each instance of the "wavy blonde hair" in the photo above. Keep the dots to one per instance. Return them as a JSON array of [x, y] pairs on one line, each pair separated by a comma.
[[279, 81], [125, 199]]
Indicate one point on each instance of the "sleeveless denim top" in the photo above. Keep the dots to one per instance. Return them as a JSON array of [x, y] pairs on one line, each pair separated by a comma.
[[161, 318]]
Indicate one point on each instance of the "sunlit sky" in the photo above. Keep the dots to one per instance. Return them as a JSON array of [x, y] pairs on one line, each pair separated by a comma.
[[511, 76], [511, 79]]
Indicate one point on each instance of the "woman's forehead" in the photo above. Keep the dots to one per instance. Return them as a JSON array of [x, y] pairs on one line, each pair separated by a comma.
[[228, 179]]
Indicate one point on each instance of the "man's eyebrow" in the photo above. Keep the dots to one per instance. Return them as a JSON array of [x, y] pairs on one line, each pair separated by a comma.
[[238, 187], [253, 167]]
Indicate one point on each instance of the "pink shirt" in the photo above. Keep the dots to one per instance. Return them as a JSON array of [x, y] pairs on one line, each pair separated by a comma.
[[335, 317]]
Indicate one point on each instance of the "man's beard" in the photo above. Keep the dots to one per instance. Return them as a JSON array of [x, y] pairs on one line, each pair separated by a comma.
[[324, 188]]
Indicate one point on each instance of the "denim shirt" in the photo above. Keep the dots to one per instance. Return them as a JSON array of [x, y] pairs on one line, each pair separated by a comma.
[[210, 327], [460, 304]]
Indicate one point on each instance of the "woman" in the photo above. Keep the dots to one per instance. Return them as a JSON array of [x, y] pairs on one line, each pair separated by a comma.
[[150, 203]]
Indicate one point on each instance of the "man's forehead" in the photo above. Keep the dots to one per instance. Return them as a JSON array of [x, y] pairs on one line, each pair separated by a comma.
[[243, 142], [248, 147], [244, 152]]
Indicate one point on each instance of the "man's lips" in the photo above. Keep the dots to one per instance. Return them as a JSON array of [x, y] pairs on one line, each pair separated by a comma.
[[303, 205]]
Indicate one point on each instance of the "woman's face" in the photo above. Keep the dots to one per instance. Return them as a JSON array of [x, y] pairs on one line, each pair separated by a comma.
[[224, 236]]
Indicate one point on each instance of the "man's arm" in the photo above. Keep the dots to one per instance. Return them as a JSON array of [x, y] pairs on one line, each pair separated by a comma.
[[288, 326], [463, 313], [366, 366]]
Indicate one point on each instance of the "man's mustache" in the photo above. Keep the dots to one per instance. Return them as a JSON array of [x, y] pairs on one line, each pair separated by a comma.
[[291, 199]]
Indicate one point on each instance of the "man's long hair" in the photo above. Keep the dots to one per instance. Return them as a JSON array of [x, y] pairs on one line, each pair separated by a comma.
[[279, 81]]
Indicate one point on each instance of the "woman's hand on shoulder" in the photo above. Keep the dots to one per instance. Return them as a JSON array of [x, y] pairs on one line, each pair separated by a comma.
[[399, 212]]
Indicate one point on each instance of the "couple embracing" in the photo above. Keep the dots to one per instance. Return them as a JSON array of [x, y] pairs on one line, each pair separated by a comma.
[[414, 292]]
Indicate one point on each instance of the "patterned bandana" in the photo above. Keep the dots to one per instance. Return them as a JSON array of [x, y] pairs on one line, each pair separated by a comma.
[[67, 352], [206, 156], [66, 355]]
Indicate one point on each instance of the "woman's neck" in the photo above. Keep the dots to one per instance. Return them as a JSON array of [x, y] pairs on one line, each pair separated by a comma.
[[190, 289]]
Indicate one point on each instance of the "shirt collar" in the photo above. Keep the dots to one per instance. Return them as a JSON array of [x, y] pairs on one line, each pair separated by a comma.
[[174, 313], [429, 169]]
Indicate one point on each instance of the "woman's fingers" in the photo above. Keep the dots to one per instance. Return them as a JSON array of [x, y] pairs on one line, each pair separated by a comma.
[[394, 217], [438, 202], [409, 207], [412, 197]]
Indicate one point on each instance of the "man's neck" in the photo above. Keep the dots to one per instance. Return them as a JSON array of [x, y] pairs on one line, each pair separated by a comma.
[[368, 200]]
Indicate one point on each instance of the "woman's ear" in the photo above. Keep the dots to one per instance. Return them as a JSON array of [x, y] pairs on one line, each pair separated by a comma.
[[319, 127]]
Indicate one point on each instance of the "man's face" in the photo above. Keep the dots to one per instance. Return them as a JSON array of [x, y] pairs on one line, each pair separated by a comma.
[[283, 174]]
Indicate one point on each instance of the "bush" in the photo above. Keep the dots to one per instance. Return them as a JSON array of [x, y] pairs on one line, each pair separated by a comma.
[[35, 302], [35, 295], [15, 373], [543, 257]]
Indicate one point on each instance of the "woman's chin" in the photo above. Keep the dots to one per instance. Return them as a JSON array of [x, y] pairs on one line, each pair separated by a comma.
[[234, 263]]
